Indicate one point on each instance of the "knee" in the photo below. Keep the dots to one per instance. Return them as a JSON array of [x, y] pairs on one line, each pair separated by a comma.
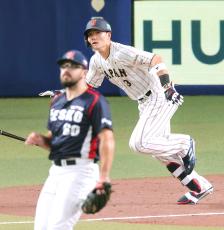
[[137, 146]]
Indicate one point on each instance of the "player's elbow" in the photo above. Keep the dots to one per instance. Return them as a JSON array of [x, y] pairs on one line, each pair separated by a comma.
[[156, 60]]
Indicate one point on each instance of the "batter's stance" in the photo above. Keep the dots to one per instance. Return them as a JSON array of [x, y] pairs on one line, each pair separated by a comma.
[[144, 77], [80, 134]]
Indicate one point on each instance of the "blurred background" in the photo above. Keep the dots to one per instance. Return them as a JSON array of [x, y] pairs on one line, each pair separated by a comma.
[[34, 34]]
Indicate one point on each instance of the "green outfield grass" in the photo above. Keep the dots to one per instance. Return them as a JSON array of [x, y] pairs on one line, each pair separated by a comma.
[[201, 117]]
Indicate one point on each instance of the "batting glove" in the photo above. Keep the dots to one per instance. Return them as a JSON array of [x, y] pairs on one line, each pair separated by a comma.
[[173, 96]]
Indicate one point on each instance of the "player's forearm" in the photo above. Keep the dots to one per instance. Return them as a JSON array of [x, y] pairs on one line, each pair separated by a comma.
[[106, 165], [161, 71], [107, 146]]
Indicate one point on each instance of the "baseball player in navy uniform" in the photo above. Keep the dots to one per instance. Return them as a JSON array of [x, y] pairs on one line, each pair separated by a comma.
[[80, 134], [144, 78]]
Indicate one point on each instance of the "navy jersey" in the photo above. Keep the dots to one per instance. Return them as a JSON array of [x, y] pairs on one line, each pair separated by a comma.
[[75, 125]]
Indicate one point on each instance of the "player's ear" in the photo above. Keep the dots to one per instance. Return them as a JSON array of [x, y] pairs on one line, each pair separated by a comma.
[[109, 34], [84, 72]]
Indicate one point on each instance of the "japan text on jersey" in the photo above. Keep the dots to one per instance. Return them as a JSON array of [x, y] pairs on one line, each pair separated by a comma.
[[126, 67]]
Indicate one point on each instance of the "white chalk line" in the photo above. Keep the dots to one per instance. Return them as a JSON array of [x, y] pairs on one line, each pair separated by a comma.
[[16, 222], [128, 217], [156, 216]]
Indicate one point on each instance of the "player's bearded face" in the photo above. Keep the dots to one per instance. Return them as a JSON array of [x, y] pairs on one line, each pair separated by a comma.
[[68, 83], [70, 77]]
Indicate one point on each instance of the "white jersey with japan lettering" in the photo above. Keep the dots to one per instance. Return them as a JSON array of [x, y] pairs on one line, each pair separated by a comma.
[[126, 67]]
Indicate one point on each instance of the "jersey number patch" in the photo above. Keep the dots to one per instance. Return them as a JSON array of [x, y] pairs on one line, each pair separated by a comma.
[[128, 83], [71, 130]]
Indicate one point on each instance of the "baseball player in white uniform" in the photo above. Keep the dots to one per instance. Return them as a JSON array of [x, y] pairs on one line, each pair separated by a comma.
[[144, 78]]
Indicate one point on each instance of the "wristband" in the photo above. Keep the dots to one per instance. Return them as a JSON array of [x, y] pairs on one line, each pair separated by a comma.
[[159, 67], [165, 80]]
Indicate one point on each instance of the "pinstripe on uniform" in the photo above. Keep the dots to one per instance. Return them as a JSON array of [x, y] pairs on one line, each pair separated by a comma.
[[128, 68]]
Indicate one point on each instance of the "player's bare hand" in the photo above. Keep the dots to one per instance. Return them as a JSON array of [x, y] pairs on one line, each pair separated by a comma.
[[34, 139], [100, 185]]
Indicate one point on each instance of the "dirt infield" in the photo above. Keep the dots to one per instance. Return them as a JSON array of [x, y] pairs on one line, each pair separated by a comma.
[[149, 200]]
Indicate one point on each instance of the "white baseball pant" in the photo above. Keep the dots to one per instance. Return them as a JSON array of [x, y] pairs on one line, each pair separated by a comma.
[[61, 198], [152, 136], [152, 133]]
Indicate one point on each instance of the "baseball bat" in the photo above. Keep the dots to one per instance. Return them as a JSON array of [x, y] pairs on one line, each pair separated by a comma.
[[7, 134]]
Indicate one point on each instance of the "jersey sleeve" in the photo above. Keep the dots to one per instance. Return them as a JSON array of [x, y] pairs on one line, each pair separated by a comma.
[[94, 77], [131, 56], [101, 116]]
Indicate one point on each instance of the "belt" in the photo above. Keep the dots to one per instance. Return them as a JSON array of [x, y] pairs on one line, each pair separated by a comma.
[[64, 162], [145, 96], [72, 161]]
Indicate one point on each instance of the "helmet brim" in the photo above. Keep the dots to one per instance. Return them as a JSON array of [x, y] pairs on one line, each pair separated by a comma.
[[95, 28]]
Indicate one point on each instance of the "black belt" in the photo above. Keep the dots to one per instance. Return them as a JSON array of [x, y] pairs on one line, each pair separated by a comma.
[[64, 162], [61, 162], [146, 95]]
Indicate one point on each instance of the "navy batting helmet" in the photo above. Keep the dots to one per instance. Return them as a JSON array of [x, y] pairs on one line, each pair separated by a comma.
[[75, 57], [96, 23]]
